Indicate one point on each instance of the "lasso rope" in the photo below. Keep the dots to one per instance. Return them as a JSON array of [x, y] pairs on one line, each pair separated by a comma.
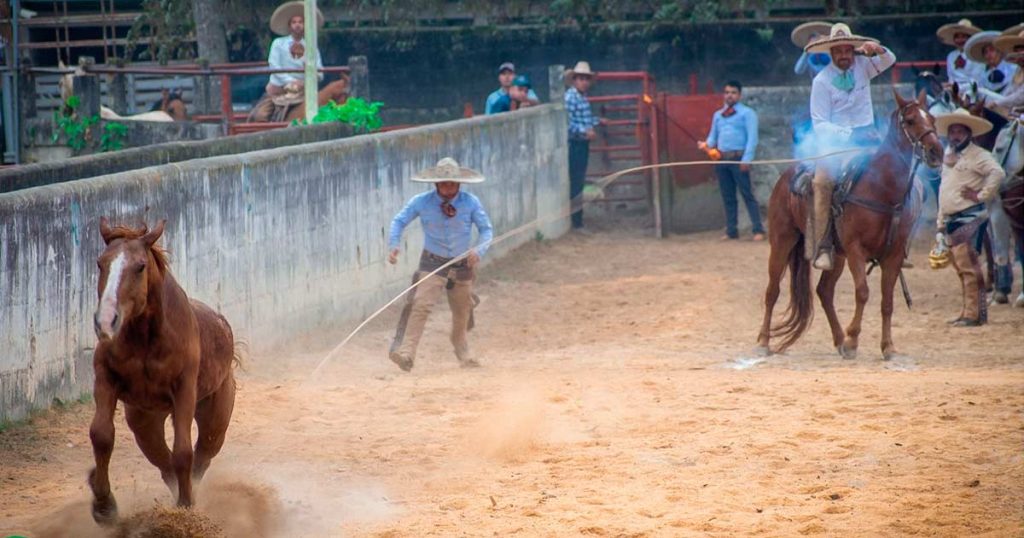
[[563, 213]]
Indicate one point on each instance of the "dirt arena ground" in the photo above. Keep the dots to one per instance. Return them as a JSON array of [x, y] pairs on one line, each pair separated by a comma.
[[618, 397]]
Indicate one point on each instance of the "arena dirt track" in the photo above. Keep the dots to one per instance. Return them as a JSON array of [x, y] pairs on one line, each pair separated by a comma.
[[618, 398]]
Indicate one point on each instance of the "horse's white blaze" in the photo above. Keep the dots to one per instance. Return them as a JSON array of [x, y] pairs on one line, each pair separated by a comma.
[[108, 301]]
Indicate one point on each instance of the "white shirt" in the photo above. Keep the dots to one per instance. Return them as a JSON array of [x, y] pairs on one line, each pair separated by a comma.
[[834, 112], [281, 58], [971, 71], [1008, 70]]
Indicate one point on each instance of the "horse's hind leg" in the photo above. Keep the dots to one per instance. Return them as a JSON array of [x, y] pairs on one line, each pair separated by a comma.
[[213, 415], [858, 269], [783, 240], [148, 428], [827, 294]]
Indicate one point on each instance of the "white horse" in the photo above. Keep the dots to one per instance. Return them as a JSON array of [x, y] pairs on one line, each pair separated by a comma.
[[66, 85], [1008, 218]]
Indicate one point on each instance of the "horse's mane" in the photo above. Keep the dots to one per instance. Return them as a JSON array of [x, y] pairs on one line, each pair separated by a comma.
[[128, 233]]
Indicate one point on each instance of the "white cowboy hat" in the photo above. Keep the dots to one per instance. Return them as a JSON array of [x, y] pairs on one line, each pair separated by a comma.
[[838, 36], [977, 42], [448, 169], [581, 68], [1014, 30], [960, 116], [963, 26], [1006, 43], [801, 35], [284, 13]]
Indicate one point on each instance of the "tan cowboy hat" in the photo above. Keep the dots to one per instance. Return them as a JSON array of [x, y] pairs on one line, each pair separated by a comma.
[[284, 13], [1005, 43], [802, 34], [977, 42], [961, 116], [1014, 30], [838, 36], [581, 68], [448, 169], [963, 26]]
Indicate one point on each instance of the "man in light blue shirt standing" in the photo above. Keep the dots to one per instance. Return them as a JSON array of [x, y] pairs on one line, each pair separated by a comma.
[[448, 216], [734, 135]]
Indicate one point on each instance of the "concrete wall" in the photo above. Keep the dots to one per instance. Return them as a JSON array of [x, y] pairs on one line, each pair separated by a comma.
[[699, 208], [282, 241]]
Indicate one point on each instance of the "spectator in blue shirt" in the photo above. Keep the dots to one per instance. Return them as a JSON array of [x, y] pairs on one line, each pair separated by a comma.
[[581, 131], [499, 100], [447, 215], [734, 134]]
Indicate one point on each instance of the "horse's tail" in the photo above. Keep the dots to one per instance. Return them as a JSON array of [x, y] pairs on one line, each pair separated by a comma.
[[239, 354], [800, 312]]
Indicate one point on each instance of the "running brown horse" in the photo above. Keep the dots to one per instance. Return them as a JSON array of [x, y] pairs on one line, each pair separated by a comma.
[[876, 224], [161, 354], [267, 110]]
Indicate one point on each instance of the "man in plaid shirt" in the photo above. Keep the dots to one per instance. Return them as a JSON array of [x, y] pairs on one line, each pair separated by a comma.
[[581, 132]]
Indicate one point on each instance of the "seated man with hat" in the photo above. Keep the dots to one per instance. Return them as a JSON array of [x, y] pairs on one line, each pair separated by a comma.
[[970, 177], [520, 93], [499, 100], [843, 116], [959, 68], [289, 51], [448, 216], [1013, 48], [996, 72]]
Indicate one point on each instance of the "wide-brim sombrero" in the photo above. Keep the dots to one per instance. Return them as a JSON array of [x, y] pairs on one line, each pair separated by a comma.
[[963, 26], [974, 46], [284, 13], [1014, 30], [448, 169], [838, 36], [1006, 43], [960, 116], [801, 35]]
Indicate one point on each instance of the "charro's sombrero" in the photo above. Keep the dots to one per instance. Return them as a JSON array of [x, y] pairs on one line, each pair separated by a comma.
[[976, 44], [838, 36], [802, 34], [284, 13], [963, 26], [960, 116], [1006, 43], [1014, 30], [448, 169]]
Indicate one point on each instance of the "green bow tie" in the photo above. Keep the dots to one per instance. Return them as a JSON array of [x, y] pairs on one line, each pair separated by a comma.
[[844, 81]]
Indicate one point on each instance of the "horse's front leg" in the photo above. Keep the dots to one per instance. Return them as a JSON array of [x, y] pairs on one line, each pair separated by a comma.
[[181, 417], [101, 434], [890, 273], [856, 261]]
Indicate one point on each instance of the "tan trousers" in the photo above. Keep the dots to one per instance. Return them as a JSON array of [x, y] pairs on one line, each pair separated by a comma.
[[417, 309], [968, 268]]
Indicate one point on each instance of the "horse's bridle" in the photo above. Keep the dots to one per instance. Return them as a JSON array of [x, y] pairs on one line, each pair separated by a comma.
[[918, 150]]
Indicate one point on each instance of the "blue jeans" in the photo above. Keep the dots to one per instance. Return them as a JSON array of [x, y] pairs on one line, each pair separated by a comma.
[[730, 178], [579, 155]]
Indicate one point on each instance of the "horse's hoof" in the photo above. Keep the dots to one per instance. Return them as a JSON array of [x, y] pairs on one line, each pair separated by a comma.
[[762, 351], [999, 297], [104, 512], [847, 353], [890, 355], [1019, 303]]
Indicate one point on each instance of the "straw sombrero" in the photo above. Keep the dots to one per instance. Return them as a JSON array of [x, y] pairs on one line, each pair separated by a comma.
[[838, 36], [963, 26], [448, 169], [802, 34], [284, 13], [977, 42], [978, 126], [1014, 30], [581, 68], [1005, 43]]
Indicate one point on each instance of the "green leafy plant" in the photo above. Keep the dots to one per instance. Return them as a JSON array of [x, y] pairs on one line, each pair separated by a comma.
[[77, 130], [364, 117], [113, 136]]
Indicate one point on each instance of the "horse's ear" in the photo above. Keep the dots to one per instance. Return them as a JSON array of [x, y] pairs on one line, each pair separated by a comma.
[[922, 99], [899, 98], [956, 91], [937, 69], [152, 235], [105, 230]]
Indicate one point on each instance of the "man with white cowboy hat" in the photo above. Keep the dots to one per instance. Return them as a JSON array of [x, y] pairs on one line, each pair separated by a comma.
[[842, 114], [448, 216], [581, 131], [970, 178], [809, 63], [959, 68], [289, 50], [997, 72], [1012, 46]]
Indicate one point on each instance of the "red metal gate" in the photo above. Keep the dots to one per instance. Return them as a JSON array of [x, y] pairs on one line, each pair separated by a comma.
[[625, 139]]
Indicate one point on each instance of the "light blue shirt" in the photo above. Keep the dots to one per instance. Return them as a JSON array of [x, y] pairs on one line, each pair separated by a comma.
[[444, 236], [738, 132], [499, 101]]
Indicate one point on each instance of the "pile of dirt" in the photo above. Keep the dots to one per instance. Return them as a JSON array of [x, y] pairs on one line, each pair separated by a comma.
[[164, 522]]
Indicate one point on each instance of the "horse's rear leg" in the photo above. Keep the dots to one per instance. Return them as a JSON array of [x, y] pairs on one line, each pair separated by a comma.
[[827, 293], [783, 240], [212, 417], [148, 428]]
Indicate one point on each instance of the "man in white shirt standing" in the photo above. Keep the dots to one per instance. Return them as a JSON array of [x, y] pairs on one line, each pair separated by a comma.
[[289, 51], [960, 68], [842, 114]]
